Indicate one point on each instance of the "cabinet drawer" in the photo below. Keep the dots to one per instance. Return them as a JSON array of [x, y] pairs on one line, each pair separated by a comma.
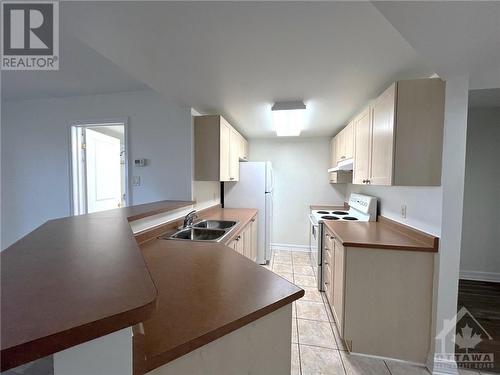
[[328, 257], [328, 241], [328, 281]]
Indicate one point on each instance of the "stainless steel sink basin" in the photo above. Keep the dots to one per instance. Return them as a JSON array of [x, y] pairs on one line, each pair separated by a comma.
[[198, 234], [206, 230], [215, 224]]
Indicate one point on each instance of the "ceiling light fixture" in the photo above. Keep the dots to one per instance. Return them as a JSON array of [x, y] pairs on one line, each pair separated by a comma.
[[288, 118]]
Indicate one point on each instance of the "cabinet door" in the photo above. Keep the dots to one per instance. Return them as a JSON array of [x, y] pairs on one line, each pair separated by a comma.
[[349, 141], [383, 138], [340, 146], [247, 241], [255, 239], [225, 136], [234, 155], [362, 147], [338, 284], [333, 155], [238, 246], [243, 148]]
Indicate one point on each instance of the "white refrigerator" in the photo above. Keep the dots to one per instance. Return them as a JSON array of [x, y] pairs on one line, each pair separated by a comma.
[[255, 190]]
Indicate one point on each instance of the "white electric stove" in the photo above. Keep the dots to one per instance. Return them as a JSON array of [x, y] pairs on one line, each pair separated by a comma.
[[361, 208]]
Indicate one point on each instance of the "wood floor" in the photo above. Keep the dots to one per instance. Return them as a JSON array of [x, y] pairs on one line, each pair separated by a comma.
[[482, 299]]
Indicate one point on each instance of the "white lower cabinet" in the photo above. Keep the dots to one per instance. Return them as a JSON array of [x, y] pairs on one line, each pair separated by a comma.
[[378, 296], [246, 241]]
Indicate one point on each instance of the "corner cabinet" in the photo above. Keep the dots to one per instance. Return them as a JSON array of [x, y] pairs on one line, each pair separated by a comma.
[[218, 149], [246, 241], [399, 137]]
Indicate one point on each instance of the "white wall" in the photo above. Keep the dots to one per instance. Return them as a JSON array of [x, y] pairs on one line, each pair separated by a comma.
[[480, 257], [35, 153], [423, 204], [446, 267], [300, 166]]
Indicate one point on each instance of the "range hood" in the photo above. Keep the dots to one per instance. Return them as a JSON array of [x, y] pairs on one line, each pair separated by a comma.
[[344, 165]]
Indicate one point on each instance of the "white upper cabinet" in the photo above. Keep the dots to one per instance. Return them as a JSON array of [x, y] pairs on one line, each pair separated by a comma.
[[218, 149], [382, 138], [362, 136], [398, 139], [234, 155]]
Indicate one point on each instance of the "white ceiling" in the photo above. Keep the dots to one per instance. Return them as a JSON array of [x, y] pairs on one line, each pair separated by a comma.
[[454, 37], [238, 58], [83, 71]]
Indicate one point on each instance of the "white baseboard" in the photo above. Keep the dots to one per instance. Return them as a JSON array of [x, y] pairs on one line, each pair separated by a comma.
[[290, 246], [443, 366], [493, 277], [416, 364]]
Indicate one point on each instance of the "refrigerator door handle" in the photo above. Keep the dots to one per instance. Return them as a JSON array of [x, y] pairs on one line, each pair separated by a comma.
[[270, 175]]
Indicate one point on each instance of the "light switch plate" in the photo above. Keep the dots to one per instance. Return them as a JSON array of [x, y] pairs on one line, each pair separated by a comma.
[[136, 180], [403, 211]]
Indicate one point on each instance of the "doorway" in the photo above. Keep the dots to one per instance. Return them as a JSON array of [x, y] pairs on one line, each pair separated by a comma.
[[99, 166]]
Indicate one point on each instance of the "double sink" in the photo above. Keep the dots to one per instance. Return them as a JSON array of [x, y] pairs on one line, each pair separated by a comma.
[[206, 230]]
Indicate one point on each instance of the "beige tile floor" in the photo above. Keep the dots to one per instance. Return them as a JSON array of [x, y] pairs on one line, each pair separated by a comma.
[[316, 346]]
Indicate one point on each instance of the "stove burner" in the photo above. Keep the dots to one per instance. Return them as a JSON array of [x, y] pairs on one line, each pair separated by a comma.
[[340, 213], [323, 212], [327, 217], [349, 218]]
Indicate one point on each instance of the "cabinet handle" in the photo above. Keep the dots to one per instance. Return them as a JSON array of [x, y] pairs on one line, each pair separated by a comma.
[[231, 178], [237, 238], [327, 263], [253, 220], [342, 157], [327, 283]]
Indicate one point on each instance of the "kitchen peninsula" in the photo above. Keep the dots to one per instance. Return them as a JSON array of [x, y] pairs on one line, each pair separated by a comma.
[[80, 283]]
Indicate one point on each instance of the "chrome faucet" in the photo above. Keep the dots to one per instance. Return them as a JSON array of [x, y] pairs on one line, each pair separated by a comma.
[[189, 219]]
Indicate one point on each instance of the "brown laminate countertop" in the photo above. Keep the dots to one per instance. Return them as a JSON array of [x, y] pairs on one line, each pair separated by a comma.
[[72, 280], [206, 290], [382, 234]]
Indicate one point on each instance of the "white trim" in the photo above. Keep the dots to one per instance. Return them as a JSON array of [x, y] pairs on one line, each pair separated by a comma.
[[290, 246], [421, 365], [493, 277], [94, 123], [444, 366]]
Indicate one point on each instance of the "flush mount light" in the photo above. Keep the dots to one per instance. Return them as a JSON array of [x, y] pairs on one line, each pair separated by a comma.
[[288, 118]]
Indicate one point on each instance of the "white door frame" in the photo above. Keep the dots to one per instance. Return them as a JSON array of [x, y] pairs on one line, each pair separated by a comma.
[[74, 127]]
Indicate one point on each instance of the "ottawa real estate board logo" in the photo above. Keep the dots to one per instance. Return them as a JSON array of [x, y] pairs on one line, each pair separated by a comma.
[[30, 35]]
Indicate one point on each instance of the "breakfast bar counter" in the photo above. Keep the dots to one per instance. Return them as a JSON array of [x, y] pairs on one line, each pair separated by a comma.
[[79, 278]]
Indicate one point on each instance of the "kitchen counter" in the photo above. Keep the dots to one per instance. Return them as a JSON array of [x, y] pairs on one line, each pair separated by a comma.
[[382, 234], [206, 290], [78, 278], [72, 280]]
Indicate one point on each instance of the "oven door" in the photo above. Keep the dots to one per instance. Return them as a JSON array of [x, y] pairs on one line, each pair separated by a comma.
[[315, 245]]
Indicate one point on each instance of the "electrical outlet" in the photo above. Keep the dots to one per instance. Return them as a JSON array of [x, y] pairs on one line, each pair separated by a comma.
[[136, 180], [403, 211]]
